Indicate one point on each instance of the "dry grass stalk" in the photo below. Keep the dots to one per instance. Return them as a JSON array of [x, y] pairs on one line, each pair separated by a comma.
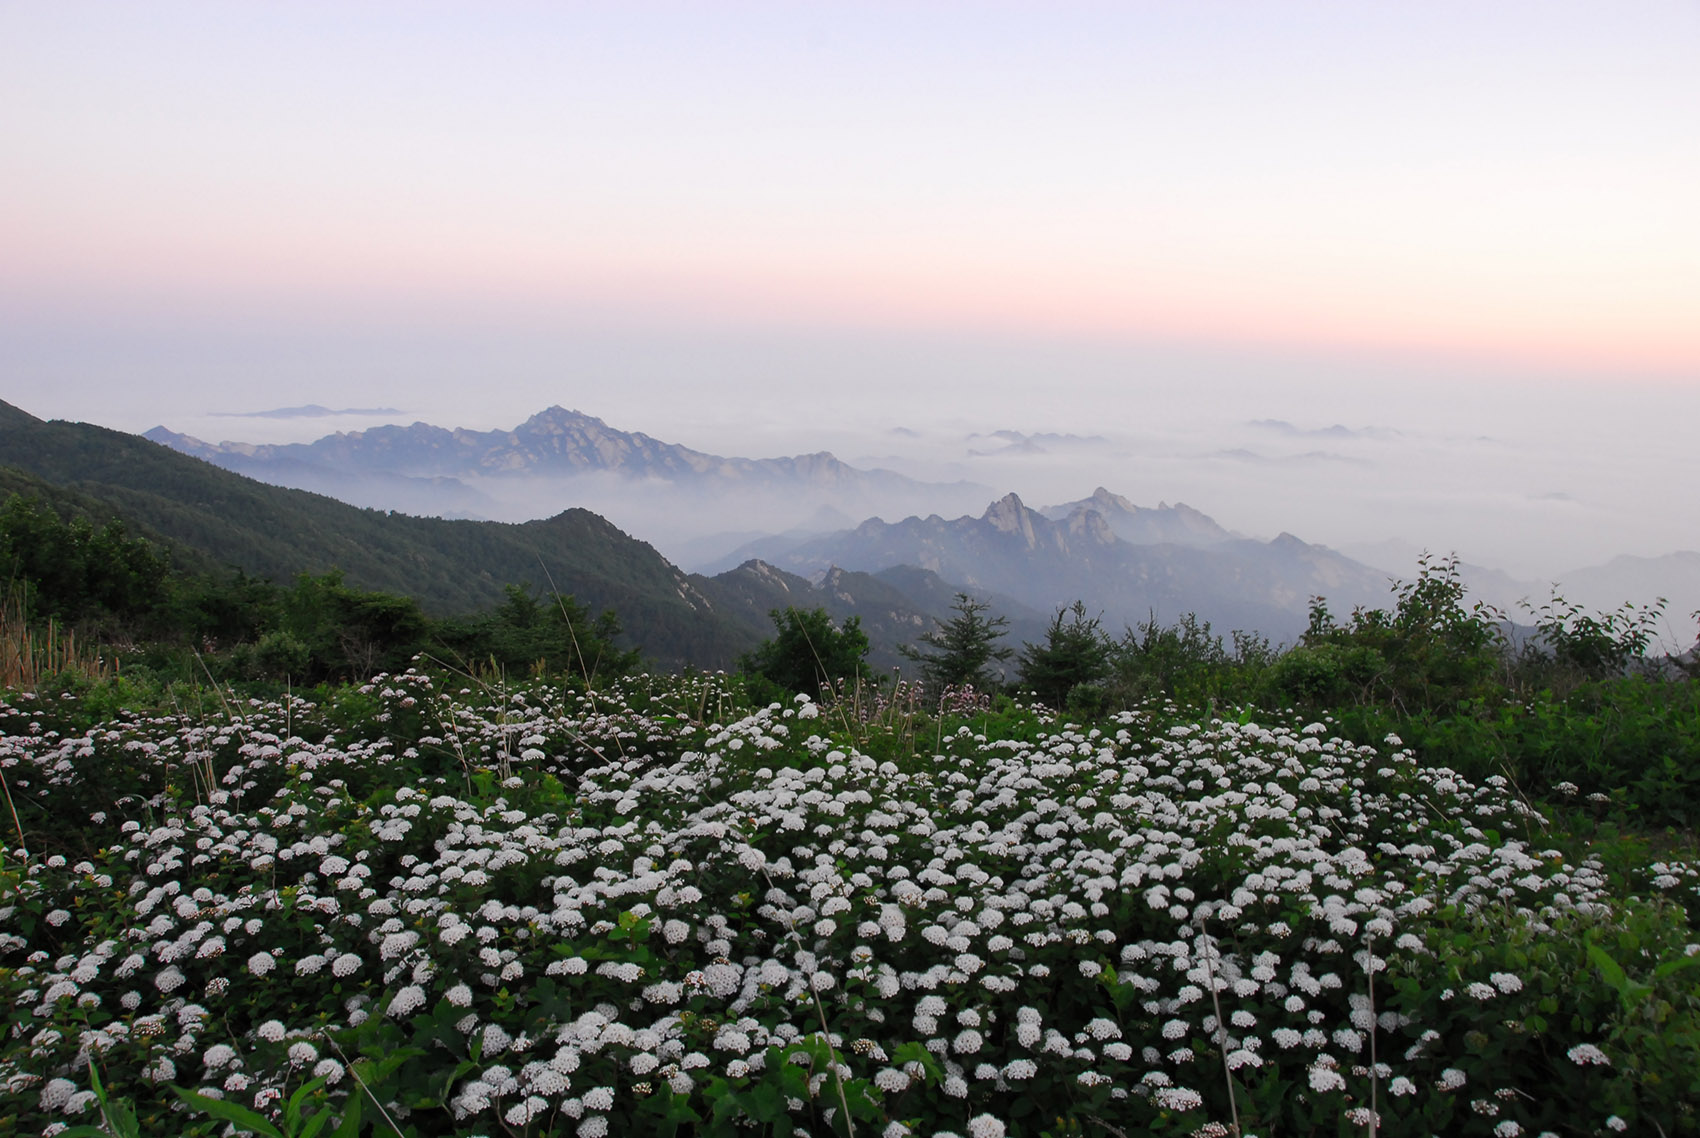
[[29, 656]]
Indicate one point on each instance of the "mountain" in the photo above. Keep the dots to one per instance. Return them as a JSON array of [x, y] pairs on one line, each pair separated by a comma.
[[1127, 562], [1142, 525], [560, 456], [438, 495], [450, 566], [719, 552], [554, 442], [1044, 563], [1642, 580], [211, 517], [1179, 524], [1597, 588], [72, 504], [895, 606]]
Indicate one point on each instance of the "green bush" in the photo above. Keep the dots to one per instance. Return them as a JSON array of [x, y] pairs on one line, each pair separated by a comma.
[[1075, 655], [809, 654], [1187, 662], [538, 908], [964, 650]]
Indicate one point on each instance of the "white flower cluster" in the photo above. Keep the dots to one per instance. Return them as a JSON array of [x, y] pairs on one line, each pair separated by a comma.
[[1007, 911]]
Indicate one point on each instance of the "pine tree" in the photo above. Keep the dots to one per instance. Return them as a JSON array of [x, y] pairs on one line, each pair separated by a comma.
[[1075, 652], [963, 648]]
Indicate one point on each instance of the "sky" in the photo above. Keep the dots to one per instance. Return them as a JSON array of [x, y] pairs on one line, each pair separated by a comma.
[[1464, 231]]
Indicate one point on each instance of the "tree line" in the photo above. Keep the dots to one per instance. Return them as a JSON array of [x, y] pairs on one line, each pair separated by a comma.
[[129, 594], [1429, 650], [1577, 703], [1575, 707]]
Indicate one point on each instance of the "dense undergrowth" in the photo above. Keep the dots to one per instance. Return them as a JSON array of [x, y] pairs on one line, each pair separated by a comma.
[[482, 877], [454, 908], [162, 617]]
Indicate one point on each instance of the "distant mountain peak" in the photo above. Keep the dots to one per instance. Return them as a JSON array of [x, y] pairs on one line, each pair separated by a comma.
[[1179, 524], [1044, 559], [1090, 524], [557, 442], [1103, 500], [1008, 515], [762, 571], [558, 416], [187, 444]]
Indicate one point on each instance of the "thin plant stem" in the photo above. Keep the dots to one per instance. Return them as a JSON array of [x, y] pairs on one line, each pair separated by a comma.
[[364, 1087], [23, 843], [1221, 1029], [1374, 1082], [825, 1030]]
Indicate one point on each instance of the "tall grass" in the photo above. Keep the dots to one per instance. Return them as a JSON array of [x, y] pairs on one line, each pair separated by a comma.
[[30, 655]]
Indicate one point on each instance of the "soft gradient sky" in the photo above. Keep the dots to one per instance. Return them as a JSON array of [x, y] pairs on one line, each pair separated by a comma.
[[769, 228]]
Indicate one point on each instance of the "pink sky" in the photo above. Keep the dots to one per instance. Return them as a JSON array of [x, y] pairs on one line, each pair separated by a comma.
[[708, 216], [1514, 179]]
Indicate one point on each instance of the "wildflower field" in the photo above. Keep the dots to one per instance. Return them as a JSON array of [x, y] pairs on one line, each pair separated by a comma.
[[417, 908]]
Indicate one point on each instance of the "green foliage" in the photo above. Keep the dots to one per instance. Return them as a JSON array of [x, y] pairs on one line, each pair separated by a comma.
[[465, 857], [118, 1117], [1628, 746], [1428, 652], [76, 571], [1076, 652], [808, 653], [297, 1121], [1573, 646], [530, 634], [1187, 662], [191, 625], [962, 650]]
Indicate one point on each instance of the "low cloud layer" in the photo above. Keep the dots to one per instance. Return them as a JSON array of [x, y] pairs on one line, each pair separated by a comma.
[[1537, 476], [312, 411]]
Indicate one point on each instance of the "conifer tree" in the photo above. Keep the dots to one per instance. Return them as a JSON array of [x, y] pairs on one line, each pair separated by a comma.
[[963, 648]]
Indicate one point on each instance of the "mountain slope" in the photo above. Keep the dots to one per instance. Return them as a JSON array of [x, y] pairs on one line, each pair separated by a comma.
[[491, 470], [895, 607], [450, 566], [1143, 525], [1044, 563]]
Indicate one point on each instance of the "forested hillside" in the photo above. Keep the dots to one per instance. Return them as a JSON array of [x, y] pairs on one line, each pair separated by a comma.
[[450, 567]]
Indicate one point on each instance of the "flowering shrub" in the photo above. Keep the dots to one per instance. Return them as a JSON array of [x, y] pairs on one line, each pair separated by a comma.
[[547, 911]]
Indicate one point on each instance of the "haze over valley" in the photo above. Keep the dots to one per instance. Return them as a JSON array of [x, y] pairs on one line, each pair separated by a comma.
[[807, 516]]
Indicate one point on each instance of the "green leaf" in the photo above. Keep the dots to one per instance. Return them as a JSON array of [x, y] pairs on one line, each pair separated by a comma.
[[315, 1123], [349, 1127], [765, 1103], [292, 1109], [387, 1066], [240, 1117], [916, 1052], [1610, 970], [1670, 967], [1630, 991], [728, 1105]]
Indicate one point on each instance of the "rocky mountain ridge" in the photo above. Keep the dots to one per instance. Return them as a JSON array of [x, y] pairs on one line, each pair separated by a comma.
[[1044, 562], [669, 493]]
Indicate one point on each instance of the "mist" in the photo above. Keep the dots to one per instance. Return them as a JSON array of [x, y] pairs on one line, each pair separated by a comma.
[[1535, 477]]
